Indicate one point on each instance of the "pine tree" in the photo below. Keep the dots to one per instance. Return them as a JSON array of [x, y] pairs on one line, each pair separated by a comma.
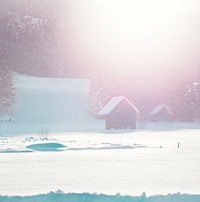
[[182, 96], [6, 85], [6, 91], [101, 91]]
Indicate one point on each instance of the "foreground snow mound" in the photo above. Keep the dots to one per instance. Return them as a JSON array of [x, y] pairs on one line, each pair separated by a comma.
[[61, 197]]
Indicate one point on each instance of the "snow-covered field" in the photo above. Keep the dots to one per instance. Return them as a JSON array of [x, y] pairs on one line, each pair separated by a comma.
[[129, 163], [39, 152]]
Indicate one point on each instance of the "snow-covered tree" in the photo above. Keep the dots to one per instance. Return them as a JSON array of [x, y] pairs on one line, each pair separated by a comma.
[[30, 36], [6, 85], [181, 96], [101, 91], [6, 91]]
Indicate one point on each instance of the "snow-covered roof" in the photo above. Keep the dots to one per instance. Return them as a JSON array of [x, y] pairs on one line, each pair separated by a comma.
[[160, 107], [113, 103]]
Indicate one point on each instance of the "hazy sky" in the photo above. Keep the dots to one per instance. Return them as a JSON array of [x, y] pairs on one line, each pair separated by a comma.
[[131, 34]]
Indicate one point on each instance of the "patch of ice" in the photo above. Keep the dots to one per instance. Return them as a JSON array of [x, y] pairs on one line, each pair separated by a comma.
[[46, 147]]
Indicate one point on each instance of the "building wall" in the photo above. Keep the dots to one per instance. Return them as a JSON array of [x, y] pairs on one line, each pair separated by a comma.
[[162, 115], [122, 117]]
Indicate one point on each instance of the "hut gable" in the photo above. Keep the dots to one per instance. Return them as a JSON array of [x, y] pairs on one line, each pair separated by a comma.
[[157, 109], [119, 113], [161, 113], [113, 103]]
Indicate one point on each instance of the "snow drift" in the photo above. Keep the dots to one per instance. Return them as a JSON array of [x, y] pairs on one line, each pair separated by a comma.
[[61, 197]]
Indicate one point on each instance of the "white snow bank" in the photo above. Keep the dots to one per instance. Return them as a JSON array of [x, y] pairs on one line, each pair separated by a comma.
[[85, 197], [51, 100], [52, 103]]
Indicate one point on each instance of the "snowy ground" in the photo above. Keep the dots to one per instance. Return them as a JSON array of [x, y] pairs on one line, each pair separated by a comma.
[[130, 163], [39, 152]]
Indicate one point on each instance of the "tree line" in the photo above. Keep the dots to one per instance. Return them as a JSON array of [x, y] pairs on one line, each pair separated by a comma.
[[28, 45], [181, 92]]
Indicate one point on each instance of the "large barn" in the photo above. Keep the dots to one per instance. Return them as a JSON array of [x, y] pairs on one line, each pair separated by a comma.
[[161, 113], [119, 113]]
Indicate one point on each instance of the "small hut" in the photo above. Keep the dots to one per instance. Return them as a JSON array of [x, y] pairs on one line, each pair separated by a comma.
[[161, 113], [119, 113]]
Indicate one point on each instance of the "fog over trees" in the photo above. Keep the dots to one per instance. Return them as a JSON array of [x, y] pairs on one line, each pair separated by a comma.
[[35, 40]]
